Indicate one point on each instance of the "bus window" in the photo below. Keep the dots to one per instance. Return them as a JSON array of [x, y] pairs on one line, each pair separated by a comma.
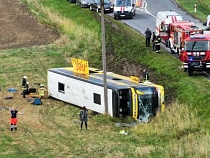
[[147, 103]]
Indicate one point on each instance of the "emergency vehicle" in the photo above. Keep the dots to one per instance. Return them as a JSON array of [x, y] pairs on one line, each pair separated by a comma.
[[178, 32], [126, 96], [196, 53], [207, 22], [124, 9], [163, 19]]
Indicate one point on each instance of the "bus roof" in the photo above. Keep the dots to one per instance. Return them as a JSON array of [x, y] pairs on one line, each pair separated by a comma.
[[96, 77]]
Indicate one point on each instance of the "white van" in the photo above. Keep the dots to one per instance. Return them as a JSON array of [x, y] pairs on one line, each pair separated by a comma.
[[163, 19], [207, 22], [124, 9]]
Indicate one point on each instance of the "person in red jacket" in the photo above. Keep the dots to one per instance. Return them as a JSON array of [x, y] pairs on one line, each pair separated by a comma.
[[13, 119]]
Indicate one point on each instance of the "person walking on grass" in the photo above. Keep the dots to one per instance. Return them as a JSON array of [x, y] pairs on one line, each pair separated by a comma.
[[13, 119], [148, 35], [83, 116]]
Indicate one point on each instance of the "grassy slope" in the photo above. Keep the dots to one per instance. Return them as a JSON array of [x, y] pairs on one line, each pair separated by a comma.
[[202, 7], [52, 130]]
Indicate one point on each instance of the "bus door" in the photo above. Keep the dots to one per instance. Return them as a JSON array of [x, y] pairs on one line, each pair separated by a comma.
[[124, 102]]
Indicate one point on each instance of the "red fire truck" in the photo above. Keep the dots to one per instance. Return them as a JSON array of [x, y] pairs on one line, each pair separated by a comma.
[[196, 53], [178, 32], [173, 30]]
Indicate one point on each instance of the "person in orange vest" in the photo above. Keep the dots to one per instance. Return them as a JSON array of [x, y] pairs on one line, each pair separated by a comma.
[[41, 91]]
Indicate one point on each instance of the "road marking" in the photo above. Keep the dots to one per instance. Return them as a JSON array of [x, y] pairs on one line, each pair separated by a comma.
[[145, 9]]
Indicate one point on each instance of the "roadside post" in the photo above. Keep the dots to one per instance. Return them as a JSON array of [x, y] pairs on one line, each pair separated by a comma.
[[195, 8]]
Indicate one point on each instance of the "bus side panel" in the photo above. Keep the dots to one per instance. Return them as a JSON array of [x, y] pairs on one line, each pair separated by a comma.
[[78, 92]]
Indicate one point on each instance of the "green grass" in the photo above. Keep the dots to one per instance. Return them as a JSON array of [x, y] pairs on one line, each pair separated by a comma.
[[53, 129], [202, 8]]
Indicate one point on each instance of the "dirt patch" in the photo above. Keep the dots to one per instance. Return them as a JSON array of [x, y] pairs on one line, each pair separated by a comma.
[[19, 29]]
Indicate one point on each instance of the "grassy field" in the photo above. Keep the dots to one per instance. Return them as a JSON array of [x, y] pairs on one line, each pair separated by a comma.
[[202, 8], [53, 129]]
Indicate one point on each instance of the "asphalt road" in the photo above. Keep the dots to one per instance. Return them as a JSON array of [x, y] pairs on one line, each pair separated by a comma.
[[146, 17]]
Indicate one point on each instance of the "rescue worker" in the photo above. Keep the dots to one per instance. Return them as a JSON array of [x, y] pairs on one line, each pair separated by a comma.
[[24, 84], [41, 91], [83, 117], [148, 35], [27, 88], [13, 119], [153, 41], [157, 44], [145, 75]]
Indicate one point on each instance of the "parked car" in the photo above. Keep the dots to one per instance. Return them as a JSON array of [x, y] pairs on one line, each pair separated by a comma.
[[83, 3], [108, 6], [72, 1]]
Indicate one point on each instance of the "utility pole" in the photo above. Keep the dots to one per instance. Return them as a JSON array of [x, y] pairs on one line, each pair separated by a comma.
[[104, 56]]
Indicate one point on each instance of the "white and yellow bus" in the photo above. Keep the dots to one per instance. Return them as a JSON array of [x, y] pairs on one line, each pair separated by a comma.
[[126, 97]]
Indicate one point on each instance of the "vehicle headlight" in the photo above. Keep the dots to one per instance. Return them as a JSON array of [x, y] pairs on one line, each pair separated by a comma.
[[99, 6], [111, 7]]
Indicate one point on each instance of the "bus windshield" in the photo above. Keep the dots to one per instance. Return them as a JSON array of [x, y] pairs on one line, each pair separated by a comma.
[[196, 46], [146, 103], [124, 3]]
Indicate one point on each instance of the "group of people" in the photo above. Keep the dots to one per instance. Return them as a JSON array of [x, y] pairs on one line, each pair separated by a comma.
[[156, 40], [25, 88], [83, 115]]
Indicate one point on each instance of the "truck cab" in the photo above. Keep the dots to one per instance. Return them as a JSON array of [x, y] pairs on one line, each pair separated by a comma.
[[196, 53], [179, 31]]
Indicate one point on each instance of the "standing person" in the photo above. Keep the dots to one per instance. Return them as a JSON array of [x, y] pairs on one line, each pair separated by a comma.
[[13, 119], [24, 84], [41, 91], [83, 116], [153, 40], [27, 87], [145, 75], [157, 44], [148, 34]]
